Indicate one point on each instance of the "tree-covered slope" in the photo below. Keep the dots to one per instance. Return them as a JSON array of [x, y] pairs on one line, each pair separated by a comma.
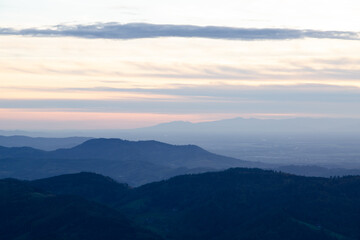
[[30, 214], [94, 187], [249, 204], [240, 204]]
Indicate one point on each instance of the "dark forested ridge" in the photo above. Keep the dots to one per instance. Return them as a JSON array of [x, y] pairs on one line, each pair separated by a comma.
[[30, 214], [91, 186], [233, 204]]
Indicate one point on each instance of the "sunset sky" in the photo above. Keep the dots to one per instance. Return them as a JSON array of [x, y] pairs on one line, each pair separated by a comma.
[[124, 64]]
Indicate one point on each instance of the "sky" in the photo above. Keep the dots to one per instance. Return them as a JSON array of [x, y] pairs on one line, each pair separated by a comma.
[[125, 64]]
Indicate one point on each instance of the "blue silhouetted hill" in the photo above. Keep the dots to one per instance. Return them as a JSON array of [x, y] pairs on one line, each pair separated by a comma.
[[149, 151], [133, 162]]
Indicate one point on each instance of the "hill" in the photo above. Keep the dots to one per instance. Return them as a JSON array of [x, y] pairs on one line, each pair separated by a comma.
[[92, 186], [243, 204], [154, 152], [249, 204], [133, 162], [27, 213]]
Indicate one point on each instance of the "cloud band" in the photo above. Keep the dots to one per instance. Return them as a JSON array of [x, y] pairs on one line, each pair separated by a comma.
[[144, 30]]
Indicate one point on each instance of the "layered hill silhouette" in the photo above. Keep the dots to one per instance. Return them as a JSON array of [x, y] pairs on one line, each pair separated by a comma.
[[135, 163], [31, 214], [255, 126], [47, 144], [233, 204]]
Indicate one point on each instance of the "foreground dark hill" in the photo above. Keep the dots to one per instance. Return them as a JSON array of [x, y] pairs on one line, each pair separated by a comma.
[[92, 186], [27, 213], [133, 162], [236, 204], [47, 144]]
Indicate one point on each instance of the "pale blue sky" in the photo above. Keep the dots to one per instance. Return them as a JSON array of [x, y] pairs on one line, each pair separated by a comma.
[[315, 14]]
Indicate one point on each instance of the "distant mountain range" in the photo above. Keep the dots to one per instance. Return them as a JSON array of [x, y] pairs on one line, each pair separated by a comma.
[[234, 204], [47, 144], [224, 127], [329, 142], [260, 126]]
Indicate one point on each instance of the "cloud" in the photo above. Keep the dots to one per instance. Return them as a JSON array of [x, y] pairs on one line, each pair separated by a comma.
[[211, 94], [302, 93], [145, 30], [318, 70], [305, 99], [239, 107]]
